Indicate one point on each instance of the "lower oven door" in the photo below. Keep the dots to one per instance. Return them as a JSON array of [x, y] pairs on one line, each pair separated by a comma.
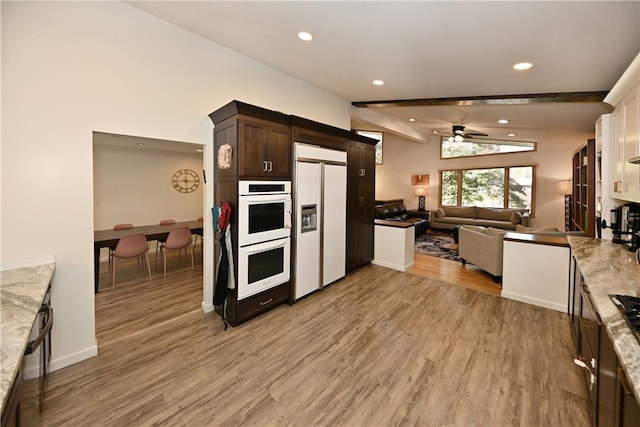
[[263, 266]]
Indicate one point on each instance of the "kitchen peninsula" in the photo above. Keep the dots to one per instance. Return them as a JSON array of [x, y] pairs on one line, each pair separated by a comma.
[[605, 269], [22, 291]]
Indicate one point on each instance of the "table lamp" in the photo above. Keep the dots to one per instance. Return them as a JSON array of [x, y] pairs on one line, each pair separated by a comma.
[[420, 192]]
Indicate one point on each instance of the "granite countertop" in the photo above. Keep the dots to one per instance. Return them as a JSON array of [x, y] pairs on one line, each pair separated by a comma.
[[607, 269], [22, 291]]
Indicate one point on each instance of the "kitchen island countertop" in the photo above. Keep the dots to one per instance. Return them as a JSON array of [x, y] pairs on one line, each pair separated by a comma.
[[22, 291], [608, 269]]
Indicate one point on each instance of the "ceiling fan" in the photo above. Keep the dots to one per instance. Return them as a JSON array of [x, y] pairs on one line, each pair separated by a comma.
[[458, 133]]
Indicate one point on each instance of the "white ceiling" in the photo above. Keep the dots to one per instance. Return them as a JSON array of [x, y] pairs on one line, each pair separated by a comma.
[[429, 49]]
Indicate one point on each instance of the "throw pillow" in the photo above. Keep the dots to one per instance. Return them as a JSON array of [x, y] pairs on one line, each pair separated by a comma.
[[440, 213], [516, 218]]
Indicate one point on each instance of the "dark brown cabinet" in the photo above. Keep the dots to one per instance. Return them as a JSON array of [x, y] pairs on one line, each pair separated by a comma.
[[583, 209], [11, 413], [265, 149], [250, 143], [612, 403], [360, 203], [628, 410]]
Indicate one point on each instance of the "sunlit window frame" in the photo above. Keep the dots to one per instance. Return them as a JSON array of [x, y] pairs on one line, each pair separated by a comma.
[[505, 184], [494, 141]]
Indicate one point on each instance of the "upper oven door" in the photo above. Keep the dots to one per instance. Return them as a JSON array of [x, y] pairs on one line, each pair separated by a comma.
[[264, 217]]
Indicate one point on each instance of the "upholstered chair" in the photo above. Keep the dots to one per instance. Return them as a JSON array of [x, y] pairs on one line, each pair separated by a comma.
[[178, 238], [130, 246]]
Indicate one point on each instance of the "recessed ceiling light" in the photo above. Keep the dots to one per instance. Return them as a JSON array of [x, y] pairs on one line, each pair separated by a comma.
[[140, 144], [378, 82], [199, 150], [503, 121], [412, 120], [522, 66], [303, 35], [435, 131], [511, 134]]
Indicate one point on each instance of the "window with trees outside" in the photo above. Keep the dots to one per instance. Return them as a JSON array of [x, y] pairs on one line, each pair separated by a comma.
[[500, 187], [464, 147]]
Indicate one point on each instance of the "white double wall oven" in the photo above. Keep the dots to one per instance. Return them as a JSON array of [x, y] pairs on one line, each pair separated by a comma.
[[264, 235]]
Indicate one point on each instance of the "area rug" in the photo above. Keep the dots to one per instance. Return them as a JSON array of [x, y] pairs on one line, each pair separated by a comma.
[[438, 244]]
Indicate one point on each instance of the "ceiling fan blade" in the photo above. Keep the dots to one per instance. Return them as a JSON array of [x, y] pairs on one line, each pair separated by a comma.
[[472, 134]]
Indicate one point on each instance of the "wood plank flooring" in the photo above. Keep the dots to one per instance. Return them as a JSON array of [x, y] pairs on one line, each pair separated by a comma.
[[378, 348], [138, 303], [454, 272]]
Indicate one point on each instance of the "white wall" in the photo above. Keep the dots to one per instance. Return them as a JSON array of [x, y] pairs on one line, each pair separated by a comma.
[[134, 186], [402, 158], [72, 68]]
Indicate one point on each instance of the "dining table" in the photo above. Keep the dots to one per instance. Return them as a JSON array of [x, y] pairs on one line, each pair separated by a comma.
[[110, 237]]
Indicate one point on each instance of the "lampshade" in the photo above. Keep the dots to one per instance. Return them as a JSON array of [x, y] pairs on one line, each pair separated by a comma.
[[420, 191], [564, 187]]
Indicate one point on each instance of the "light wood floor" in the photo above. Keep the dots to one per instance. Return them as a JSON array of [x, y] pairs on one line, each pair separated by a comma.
[[378, 348], [138, 303], [454, 272]]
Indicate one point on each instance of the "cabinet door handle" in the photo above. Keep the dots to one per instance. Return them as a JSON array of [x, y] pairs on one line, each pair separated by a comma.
[[363, 172], [270, 166], [361, 201], [270, 300], [264, 166]]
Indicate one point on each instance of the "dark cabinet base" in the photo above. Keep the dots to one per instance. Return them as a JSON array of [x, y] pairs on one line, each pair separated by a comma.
[[243, 310], [11, 413]]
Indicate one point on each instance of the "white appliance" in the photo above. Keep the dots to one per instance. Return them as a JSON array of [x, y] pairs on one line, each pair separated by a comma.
[[264, 236], [264, 212], [320, 200], [263, 266]]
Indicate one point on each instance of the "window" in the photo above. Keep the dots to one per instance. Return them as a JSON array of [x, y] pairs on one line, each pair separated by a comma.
[[500, 187], [450, 148]]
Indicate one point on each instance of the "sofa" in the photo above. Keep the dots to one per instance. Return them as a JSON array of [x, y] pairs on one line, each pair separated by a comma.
[[396, 211], [483, 246], [449, 217]]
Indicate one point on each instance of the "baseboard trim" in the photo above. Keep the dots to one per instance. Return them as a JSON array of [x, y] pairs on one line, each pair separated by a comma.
[[534, 301], [393, 266], [206, 308], [68, 360]]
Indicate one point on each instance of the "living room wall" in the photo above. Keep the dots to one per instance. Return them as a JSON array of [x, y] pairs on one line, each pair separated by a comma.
[[403, 158]]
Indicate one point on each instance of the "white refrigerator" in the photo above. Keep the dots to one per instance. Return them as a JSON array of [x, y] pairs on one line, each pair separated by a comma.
[[320, 200]]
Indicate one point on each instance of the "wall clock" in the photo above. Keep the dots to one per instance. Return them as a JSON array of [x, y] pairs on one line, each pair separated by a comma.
[[185, 180]]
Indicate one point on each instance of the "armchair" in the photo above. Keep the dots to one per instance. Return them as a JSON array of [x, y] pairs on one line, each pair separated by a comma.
[[482, 247]]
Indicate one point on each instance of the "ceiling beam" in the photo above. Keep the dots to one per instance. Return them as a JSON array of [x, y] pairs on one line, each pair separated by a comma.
[[535, 98]]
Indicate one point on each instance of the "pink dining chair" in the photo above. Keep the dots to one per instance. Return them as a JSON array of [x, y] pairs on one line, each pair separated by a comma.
[[130, 246], [118, 227], [161, 240], [178, 238]]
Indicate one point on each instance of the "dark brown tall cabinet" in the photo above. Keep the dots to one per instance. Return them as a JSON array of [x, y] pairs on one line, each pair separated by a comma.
[[583, 210], [252, 143], [361, 161], [249, 143]]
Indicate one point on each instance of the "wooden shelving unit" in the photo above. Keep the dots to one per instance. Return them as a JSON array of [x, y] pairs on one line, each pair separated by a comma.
[[583, 215]]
